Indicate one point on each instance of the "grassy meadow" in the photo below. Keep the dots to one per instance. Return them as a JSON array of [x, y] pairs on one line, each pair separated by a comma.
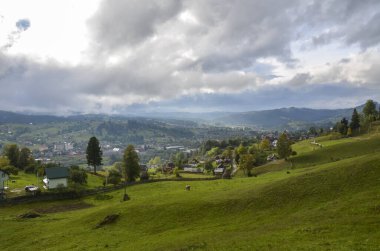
[[322, 199]]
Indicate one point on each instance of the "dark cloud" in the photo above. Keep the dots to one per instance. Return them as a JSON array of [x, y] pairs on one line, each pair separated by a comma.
[[147, 51], [367, 34], [351, 21], [271, 97], [300, 79], [121, 23]]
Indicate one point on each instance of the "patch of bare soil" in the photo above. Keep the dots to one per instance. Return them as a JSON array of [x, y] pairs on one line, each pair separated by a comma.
[[108, 220], [63, 208], [29, 215]]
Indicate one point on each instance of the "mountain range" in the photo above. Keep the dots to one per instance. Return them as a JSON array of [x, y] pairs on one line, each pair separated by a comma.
[[276, 119]]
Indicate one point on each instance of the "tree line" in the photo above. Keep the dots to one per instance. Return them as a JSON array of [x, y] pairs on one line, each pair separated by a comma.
[[359, 121]]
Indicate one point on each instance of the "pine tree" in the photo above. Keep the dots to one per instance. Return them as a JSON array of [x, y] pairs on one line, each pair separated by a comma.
[[94, 153], [343, 126], [355, 121]]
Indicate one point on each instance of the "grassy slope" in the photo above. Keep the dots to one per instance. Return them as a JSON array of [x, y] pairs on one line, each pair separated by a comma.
[[323, 204]]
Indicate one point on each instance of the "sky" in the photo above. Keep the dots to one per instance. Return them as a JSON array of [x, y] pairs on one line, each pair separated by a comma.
[[133, 56]]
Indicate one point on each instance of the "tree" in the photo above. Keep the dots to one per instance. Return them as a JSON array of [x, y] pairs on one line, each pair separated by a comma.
[[284, 148], [355, 121], [349, 132], [94, 153], [228, 153], [6, 166], [78, 175], [214, 152], [313, 131], [131, 167], [155, 161], [342, 126], [253, 148], [208, 166], [176, 172], [114, 177], [12, 152], [180, 159], [240, 150], [265, 144], [131, 164], [25, 159], [369, 110], [247, 162], [119, 166]]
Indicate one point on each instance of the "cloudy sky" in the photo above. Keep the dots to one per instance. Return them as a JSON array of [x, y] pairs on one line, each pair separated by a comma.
[[128, 56]]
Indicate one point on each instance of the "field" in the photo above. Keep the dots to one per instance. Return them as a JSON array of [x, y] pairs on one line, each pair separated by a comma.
[[322, 199]]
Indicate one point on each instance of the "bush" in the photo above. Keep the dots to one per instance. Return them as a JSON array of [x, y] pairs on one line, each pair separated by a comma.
[[227, 174], [103, 197], [30, 169], [10, 169], [78, 176], [144, 175], [176, 172], [114, 177]]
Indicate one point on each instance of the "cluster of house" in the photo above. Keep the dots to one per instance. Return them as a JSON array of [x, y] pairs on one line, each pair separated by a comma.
[[221, 165]]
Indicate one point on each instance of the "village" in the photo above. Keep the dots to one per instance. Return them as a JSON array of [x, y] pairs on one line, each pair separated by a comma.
[[214, 159]]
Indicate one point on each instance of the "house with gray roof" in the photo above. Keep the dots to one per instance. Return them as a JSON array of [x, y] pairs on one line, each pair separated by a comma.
[[56, 177]]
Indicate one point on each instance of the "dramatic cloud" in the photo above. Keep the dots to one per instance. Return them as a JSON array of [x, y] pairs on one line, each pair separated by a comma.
[[245, 54]]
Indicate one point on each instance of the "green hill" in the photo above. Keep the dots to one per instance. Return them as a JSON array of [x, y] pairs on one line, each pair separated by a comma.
[[328, 200]]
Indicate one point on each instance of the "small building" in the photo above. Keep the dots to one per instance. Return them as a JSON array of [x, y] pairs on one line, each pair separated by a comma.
[[4, 177], [56, 177]]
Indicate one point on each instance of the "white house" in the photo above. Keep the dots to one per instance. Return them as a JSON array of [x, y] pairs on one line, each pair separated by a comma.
[[56, 177], [4, 177]]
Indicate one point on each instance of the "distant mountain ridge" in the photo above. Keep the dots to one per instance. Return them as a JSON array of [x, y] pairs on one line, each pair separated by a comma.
[[283, 118], [286, 118]]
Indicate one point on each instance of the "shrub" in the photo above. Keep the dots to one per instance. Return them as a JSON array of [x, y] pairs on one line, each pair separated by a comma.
[[114, 177], [144, 175], [176, 172], [30, 169], [227, 174], [78, 176]]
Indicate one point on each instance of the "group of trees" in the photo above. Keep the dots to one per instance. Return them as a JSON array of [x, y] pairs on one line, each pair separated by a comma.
[[130, 165], [14, 159], [248, 154], [358, 121]]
